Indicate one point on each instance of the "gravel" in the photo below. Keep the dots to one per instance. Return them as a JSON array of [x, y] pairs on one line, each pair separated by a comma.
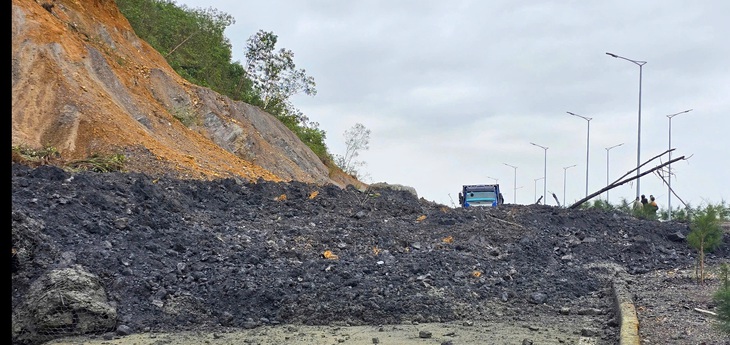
[[191, 255]]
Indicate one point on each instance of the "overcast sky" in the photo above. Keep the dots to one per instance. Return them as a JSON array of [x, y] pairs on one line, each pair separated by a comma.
[[455, 92]]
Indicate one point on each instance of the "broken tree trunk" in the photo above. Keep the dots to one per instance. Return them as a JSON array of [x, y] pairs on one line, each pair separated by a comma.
[[618, 183], [639, 167], [556, 199]]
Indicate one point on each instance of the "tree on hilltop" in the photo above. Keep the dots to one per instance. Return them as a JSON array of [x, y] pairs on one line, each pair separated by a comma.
[[274, 73]]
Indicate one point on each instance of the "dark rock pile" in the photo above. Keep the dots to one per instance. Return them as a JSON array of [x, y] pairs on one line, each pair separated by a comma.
[[188, 255]]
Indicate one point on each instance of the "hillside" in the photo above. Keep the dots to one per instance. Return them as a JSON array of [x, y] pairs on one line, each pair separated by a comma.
[[85, 84], [229, 223]]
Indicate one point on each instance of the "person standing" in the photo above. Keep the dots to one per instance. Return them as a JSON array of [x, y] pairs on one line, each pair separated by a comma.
[[653, 207], [637, 204], [644, 206]]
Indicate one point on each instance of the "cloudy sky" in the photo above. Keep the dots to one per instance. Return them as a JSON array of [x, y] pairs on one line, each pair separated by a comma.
[[455, 92]]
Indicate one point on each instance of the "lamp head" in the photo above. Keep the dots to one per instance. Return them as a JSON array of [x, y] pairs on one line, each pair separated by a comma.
[[540, 146]]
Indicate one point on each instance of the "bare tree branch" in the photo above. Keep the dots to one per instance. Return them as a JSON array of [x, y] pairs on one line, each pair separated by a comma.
[[645, 163], [672, 190], [618, 183]]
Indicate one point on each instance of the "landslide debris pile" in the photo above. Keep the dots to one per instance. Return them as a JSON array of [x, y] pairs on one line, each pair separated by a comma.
[[172, 254]]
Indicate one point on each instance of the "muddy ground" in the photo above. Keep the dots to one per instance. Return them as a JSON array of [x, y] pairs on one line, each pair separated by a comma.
[[282, 259]]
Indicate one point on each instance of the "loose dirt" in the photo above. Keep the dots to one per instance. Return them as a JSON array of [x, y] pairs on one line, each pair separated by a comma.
[[229, 261]]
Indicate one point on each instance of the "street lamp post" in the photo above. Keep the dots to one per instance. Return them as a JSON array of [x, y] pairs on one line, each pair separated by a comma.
[[544, 173], [515, 185], [588, 141], [669, 174], [638, 145], [496, 180], [609, 149], [538, 179], [565, 169]]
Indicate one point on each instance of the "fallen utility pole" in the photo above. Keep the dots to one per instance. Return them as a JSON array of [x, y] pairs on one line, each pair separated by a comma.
[[621, 182]]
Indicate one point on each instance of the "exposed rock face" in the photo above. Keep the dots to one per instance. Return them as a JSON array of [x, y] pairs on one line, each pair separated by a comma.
[[84, 83]]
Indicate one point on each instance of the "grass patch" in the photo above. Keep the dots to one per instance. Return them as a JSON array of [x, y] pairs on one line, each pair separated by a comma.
[[50, 156], [99, 163], [34, 157]]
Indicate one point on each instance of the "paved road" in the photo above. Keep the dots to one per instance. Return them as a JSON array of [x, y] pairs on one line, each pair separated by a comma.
[[430, 333]]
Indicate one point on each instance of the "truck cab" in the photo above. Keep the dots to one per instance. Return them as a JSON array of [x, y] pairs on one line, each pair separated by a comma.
[[480, 195]]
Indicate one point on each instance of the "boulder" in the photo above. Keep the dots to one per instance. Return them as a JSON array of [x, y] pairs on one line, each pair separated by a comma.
[[398, 187], [64, 302]]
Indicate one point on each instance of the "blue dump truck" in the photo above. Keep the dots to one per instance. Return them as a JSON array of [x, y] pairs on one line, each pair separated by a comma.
[[480, 195]]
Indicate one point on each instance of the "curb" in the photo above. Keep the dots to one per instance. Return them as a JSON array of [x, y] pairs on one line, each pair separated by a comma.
[[629, 334]]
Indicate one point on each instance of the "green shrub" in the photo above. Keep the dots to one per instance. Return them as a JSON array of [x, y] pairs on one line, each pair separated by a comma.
[[644, 213], [722, 298], [624, 206], [679, 214], [597, 204]]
